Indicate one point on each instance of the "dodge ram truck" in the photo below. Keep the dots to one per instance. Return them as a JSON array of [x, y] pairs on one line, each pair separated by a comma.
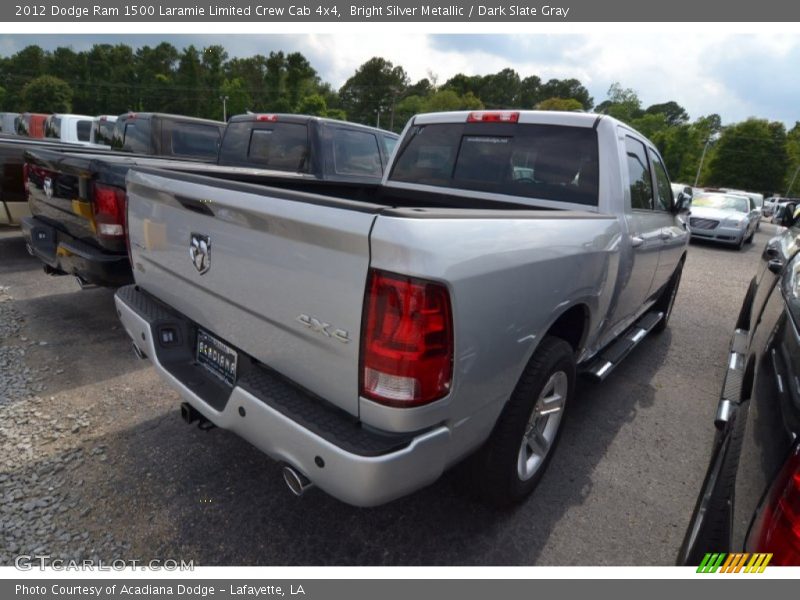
[[78, 200], [369, 345]]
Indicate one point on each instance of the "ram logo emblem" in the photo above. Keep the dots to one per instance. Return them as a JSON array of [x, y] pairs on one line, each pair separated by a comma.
[[317, 326], [199, 249]]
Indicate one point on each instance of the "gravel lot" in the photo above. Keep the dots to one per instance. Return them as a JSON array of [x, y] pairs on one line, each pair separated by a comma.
[[95, 461]]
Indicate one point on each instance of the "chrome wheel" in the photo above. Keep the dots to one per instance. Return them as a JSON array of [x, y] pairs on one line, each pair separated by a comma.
[[542, 427]]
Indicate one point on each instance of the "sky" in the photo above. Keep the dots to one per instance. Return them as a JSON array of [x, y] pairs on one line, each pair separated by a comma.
[[733, 74]]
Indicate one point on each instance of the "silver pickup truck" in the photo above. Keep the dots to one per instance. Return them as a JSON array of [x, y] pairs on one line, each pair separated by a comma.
[[371, 345]]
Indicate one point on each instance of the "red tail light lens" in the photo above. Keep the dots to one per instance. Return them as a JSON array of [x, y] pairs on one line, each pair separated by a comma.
[[269, 118], [407, 340], [503, 116], [109, 210], [777, 528]]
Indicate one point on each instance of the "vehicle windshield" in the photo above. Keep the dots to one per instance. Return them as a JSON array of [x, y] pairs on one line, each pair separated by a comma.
[[720, 201]]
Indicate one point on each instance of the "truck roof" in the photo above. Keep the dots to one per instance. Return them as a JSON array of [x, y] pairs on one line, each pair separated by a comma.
[[552, 117], [150, 115], [293, 118]]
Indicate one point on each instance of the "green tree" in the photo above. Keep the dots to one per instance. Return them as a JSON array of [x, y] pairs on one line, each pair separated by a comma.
[[674, 113], [750, 155], [448, 100], [569, 104], [47, 94], [374, 88], [239, 100], [566, 88], [313, 104], [622, 103]]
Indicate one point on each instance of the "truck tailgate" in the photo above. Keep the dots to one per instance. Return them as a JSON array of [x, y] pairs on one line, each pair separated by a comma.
[[279, 273]]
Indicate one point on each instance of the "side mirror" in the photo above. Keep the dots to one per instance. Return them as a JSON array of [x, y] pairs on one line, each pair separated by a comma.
[[683, 203]]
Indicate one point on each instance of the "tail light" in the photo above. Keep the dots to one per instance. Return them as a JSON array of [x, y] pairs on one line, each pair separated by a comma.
[[109, 210], [777, 528], [407, 340], [502, 116], [268, 118]]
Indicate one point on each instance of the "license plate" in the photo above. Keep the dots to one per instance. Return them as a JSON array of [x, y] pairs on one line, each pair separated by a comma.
[[217, 357]]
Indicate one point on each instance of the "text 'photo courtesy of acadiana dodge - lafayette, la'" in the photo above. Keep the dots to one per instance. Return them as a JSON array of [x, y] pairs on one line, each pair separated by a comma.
[[155, 589], [365, 11], [262, 296]]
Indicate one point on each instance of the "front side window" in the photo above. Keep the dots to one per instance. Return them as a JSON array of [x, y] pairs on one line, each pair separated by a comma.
[[639, 180], [664, 200]]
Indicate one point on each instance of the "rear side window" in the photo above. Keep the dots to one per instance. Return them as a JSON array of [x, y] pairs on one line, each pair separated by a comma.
[[639, 180], [356, 153], [193, 139], [84, 130], [549, 162], [283, 146]]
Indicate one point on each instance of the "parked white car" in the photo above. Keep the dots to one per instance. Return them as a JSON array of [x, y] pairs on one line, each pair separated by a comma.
[[73, 129]]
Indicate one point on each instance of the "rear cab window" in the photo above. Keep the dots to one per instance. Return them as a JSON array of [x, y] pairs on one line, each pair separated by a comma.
[[547, 162], [271, 145], [84, 130]]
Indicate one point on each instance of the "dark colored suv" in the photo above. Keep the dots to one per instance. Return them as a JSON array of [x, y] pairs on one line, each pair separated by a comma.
[[750, 499]]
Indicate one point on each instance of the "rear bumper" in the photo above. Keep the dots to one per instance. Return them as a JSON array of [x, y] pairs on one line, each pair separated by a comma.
[[62, 252], [357, 465]]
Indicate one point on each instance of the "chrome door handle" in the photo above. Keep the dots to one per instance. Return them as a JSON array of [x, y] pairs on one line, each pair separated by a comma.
[[664, 235], [636, 241]]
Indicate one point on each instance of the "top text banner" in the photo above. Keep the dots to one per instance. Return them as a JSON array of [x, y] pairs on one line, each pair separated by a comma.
[[404, 10]]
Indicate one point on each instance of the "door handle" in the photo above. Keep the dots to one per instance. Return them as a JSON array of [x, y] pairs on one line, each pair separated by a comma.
[[665, 235], [636, 241]]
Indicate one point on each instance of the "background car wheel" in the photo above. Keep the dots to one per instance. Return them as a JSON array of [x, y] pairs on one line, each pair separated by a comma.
[[513, 460], [667, 300]]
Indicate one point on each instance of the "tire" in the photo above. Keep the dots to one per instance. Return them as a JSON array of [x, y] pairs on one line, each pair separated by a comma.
[[740, 245], [508, 468], [752, 235], [666, 301]]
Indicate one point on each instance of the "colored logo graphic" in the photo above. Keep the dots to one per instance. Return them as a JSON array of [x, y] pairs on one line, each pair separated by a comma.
[[734, 563]]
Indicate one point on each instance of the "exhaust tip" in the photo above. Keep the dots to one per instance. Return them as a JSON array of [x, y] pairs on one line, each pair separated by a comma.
[[139, 354], [297, 483]]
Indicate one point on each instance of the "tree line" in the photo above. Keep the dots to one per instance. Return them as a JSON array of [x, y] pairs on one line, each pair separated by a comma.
[[756, 154]]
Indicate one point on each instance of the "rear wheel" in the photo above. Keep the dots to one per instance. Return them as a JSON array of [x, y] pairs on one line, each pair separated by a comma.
[[514, 459], [667, 299]]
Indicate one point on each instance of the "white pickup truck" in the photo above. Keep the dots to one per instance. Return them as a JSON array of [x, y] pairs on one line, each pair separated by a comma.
[[371, 344]]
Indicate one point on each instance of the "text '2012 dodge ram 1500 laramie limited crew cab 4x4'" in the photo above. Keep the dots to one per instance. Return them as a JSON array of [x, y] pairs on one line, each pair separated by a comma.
[[370, 345]]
